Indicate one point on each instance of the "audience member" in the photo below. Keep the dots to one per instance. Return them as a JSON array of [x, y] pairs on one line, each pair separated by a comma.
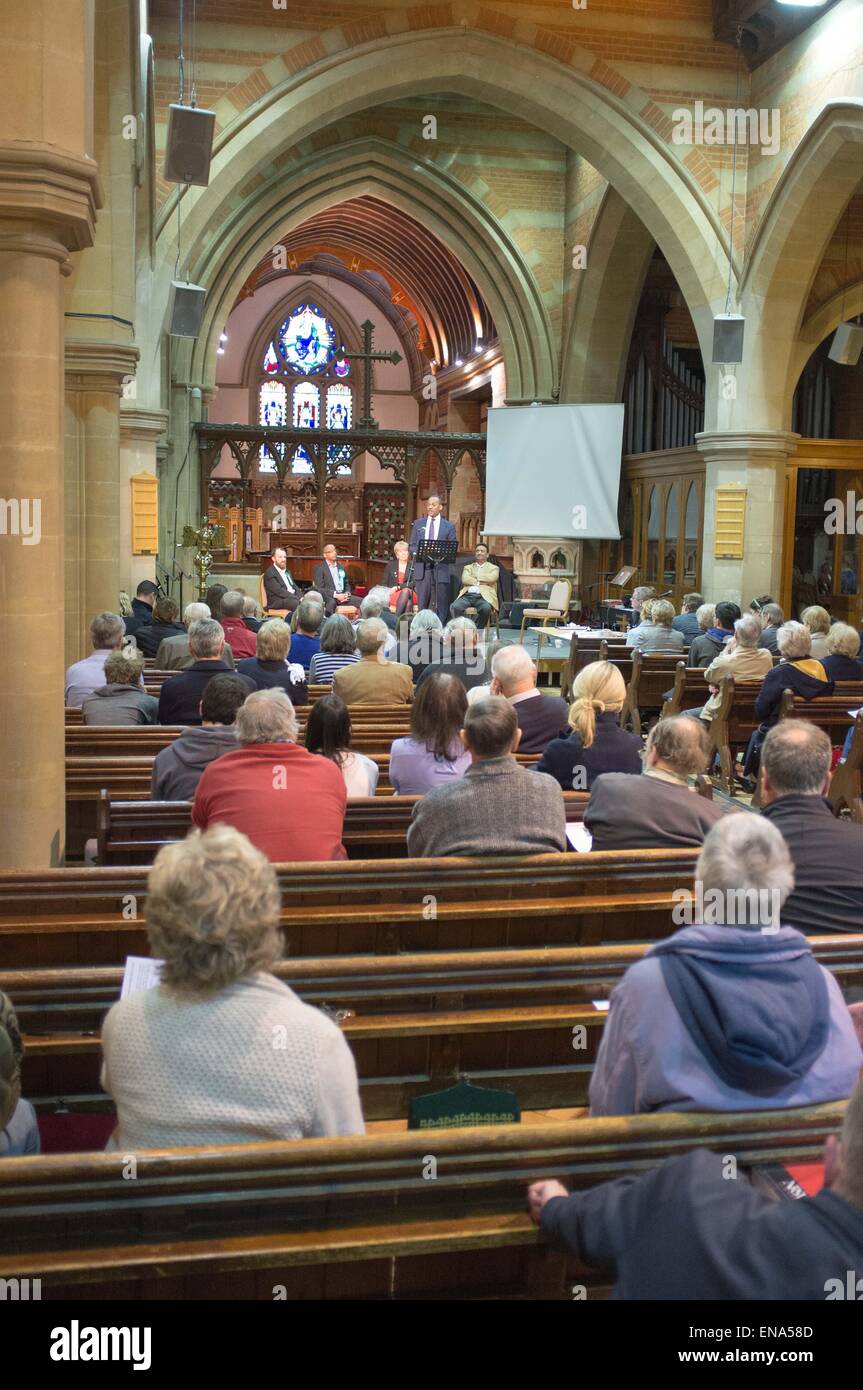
[[461, 655], [177, 769], [687, 622], [709, 645], [741, 657], [540, 717], [180, 696], [479, 692], [732, 1012], [827, 853], [597, 743], [376, 604], [425, 641], [289, 802], [307, 642], [843, 648], [797, 672], [659, 808], [338, 649], [817, 619], [497, 807], [328, 732], [639, 597], [433, 755], [240, 638], [122, 701], [253, 613], [213, 600], [221, 1051], [372, 680], [174, 654], [656, 633], [149, 636], [106, 634], [270, 668], [682, 1231], [142, 607], [19, 1131], [772, 619]]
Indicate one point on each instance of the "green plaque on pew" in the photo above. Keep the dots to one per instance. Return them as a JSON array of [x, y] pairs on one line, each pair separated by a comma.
[[464, 1105]]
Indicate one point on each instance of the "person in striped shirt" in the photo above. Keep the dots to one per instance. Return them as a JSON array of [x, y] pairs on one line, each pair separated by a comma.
[[338, 649]]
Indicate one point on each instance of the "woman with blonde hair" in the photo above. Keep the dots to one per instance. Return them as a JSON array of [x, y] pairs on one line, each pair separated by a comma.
[[817, 619], [597, 743]]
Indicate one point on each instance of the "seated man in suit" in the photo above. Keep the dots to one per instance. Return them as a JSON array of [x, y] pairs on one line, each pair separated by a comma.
[[656, 808], [279, 587], [478, 589], [331, 580], [497, 807], [540, 717], [432, 580], [180, 696], [373, 680]]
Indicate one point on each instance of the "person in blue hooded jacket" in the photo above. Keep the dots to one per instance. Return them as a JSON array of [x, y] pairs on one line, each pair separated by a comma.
[[733, 1012]]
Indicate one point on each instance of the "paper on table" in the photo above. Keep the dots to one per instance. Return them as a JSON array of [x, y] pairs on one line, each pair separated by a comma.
[[601, 1004], [580, 839], [854, 712], [140, 972]]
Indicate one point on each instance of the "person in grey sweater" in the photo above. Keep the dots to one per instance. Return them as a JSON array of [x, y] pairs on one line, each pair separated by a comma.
[[656, 634], [123, 699], [177, 769], [497, 807], [221, 1051]]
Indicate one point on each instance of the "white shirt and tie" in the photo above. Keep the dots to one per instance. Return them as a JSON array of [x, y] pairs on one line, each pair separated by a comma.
[[284, 576], [432, 528], [334, 572]]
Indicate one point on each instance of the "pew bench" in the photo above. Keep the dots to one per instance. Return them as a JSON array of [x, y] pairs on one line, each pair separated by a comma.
[[651, 676]]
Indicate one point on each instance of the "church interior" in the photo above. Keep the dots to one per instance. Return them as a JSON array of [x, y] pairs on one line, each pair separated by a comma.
[[267, 269]]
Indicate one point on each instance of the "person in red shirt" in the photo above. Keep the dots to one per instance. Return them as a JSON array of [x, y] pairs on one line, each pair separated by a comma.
[[242, 640], [290, 803]]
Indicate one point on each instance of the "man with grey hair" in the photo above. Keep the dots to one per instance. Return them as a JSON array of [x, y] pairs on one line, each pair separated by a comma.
[[180, 696], [174, 654], [639, 596], [741, 657], [732, 1012], [771, 618], [686, 621], [460, 656], [107, 632], [372, 680], [540, 717], [827, 853], [497, 807], [376, 604], [657, 808], [289, 802]]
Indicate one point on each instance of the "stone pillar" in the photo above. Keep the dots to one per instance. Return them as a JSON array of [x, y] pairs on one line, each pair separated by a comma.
[[95, 373], [49, 192], [139, 431], [756, 461]]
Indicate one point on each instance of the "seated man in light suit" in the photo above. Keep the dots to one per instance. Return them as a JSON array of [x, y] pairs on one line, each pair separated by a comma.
[[331, 580], [279, 587], [478, 589], [432, 581]]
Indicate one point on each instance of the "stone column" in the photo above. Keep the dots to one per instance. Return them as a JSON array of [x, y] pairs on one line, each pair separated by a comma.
[[139, 431], [49, 192], [754, 460], [95, 372]]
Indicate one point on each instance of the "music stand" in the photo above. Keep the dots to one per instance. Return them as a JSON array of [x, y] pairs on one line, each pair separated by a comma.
[[436, 553]]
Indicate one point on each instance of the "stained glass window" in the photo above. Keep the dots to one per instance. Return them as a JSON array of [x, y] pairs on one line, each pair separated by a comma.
[[340, 404], [272, 411], [307, 339], [307, 404], [271, 361]]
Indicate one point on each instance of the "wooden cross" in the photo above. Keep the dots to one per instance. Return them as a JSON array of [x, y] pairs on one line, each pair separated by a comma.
[[368, 356]]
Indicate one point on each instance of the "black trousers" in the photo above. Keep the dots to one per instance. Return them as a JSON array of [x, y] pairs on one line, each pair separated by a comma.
[[483, 609], [433, 591]]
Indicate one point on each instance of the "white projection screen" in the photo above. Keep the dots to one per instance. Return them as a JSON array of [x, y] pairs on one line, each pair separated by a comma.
[[553, 470]]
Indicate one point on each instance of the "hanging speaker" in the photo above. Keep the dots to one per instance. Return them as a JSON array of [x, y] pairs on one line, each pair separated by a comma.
[[186, 309], [190, 144], [847, 345], [728, 339]]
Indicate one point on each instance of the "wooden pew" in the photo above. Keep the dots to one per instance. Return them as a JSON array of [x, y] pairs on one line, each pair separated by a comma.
[[846, 791], [132, 832], [690, 691], [349, 1217], [96, 916], [652, 675], [733, 725], [583, 651]]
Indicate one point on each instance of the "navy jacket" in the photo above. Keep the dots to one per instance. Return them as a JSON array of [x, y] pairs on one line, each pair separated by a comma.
[[612, 750], [687, 623], [180, 697], [684, 1231], [842, 668], [788, 675], [150, 636], [828, 865], [541, 718], [445, 532]]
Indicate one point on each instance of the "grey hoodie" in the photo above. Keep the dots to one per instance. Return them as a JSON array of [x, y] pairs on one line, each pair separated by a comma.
[[120, 704], [177, 769]]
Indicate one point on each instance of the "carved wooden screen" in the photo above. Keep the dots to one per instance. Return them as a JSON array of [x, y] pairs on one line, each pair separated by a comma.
[[384, 519]]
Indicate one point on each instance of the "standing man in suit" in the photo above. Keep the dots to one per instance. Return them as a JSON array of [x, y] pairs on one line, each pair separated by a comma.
[[478, 589], [279, 586], [432, 581], [331, 581]]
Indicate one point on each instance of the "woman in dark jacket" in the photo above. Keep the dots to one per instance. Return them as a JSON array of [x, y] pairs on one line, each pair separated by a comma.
[[798, 672], [164, 624], [270, 668], [843, 646], [597, 743]]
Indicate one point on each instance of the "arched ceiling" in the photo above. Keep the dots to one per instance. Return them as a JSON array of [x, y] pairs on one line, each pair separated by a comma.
[[383, 250]]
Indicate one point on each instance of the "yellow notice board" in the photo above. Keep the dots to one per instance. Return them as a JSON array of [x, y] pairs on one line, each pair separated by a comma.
[[145, 514], [730, 524]]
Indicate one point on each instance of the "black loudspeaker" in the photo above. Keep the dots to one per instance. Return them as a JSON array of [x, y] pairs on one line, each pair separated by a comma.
[[847, 345], [190, 144], [728, 339], [186, 309]]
